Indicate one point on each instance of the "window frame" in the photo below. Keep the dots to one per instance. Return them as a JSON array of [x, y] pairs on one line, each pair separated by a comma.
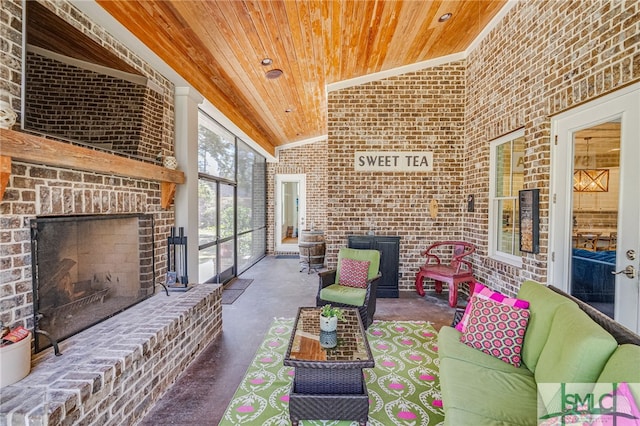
[[494, 210], [230, 178]]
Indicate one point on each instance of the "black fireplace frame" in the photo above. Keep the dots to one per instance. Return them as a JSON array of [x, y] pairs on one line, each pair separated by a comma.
[[38, 333]]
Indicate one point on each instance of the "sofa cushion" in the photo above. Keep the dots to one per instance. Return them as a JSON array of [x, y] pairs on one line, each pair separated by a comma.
[[577, 349], [449, 346], [342, 294], [543, 303], [497, 330], [496, 396], [353, 273], [622, 366], [483, 292], [460, 416]]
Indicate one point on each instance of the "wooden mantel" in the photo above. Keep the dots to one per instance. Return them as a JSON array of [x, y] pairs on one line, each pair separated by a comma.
[[29, 148]]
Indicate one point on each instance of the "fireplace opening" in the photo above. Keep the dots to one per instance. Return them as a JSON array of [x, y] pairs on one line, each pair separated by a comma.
[[87, 269]]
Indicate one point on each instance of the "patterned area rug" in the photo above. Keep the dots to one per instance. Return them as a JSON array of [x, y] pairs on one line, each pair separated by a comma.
[[403, 387]]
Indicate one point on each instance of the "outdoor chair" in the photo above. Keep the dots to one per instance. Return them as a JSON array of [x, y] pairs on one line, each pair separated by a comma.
[[456, 271], [353, 284], [588, 240], [613, 241]]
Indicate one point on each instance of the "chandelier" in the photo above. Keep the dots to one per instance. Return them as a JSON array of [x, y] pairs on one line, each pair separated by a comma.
[[590, 180]]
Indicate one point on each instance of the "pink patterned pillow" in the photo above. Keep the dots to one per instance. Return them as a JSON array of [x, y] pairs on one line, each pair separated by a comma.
[[354, 273], [482, 292], [497, 330]]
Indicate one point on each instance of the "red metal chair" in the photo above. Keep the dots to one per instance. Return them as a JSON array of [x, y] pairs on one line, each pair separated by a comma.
[[455, 272]]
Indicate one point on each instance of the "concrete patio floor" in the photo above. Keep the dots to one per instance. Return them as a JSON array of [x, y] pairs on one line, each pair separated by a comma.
[[201, 395]]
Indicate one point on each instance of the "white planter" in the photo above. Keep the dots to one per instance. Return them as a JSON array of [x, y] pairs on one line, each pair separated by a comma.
[[15, 361], [328, 323]]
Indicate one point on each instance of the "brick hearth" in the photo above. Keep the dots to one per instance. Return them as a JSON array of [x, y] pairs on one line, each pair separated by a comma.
[[113, 373]]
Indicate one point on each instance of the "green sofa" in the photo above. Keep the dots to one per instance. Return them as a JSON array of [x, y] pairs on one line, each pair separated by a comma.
[[566, 341]]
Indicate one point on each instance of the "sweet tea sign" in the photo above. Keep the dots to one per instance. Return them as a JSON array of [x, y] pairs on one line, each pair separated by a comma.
[[393, 161]]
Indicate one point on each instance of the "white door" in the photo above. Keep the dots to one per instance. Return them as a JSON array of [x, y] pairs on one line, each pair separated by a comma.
[[290, 210], [595, 210]]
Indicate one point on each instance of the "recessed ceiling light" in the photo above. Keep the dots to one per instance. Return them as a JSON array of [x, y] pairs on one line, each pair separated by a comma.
[[266, 61], [273, 74], [445, 17]]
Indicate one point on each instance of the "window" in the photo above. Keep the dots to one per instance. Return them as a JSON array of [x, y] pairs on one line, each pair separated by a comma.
[[232, 203], [252, 215], [216, 149], [507, 167]]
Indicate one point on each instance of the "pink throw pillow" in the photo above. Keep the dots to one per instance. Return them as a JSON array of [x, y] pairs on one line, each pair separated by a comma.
[[497, 330], [482, 292], [354, 273]]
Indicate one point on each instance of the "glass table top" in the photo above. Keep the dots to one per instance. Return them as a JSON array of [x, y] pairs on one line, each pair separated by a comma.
[[307, 340]]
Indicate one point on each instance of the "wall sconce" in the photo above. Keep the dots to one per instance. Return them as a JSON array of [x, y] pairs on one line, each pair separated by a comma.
[[591, 180]]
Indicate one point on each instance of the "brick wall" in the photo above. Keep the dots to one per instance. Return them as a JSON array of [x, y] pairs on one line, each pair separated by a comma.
[[114, 372], [35, 190], [543, 58], [311, 160], [82, 105], [421, 111]]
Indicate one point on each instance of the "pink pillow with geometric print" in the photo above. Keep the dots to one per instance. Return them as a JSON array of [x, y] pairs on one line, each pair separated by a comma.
[[486, 293], [497, 330], [354, 273]]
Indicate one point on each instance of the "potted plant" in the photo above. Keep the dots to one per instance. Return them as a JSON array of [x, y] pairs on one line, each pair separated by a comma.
[[329, 317]]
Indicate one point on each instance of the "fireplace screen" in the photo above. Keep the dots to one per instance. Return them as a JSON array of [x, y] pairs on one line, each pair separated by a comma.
[[87, 269]]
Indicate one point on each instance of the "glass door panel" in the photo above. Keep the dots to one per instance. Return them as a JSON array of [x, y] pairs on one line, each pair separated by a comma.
[[595, 232], [208, 266], [227, 250], [207, 229], [596, 183], [227, 222], [290, 210], [207, 212], [216, 236]]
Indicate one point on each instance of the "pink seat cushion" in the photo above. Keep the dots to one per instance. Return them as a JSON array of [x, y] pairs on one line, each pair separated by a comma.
[[483, 292], [354, 273]]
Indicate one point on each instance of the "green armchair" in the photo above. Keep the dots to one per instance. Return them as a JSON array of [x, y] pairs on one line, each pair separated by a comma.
[[340, 292]]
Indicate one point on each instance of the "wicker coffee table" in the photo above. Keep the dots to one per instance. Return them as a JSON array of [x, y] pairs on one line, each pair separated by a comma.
[[329, 383]]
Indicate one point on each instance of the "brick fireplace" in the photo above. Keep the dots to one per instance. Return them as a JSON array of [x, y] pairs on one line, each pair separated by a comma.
[[86, 269], [114, 371]]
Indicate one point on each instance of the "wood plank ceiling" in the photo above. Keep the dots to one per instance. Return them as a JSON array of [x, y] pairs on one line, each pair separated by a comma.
[[218, 46]]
